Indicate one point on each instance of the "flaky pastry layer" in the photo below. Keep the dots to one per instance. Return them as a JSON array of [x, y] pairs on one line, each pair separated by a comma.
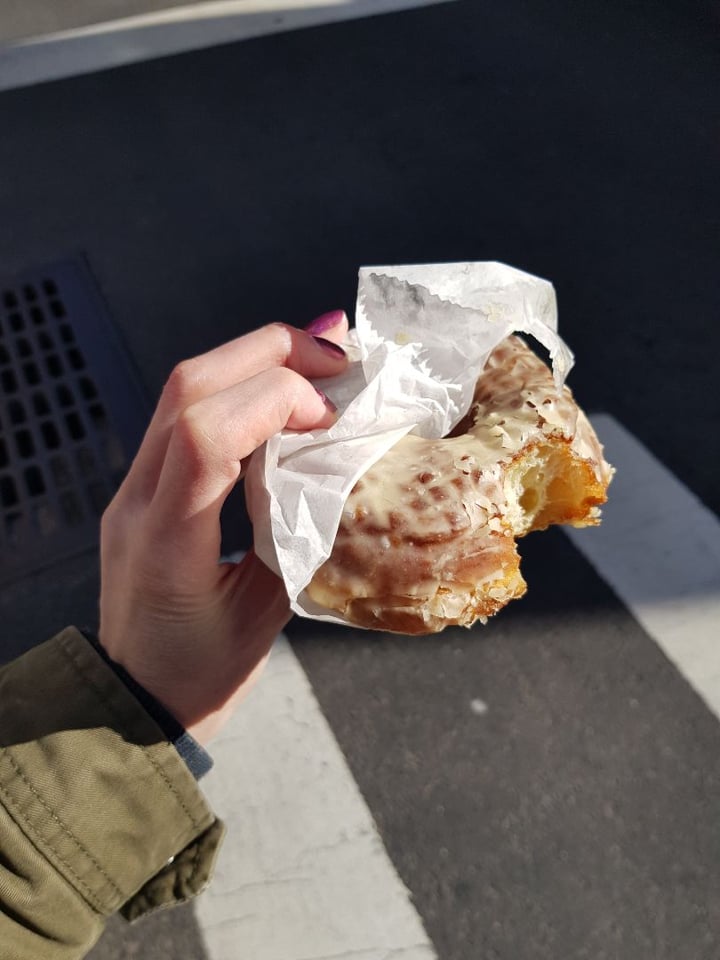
[[427, 536]]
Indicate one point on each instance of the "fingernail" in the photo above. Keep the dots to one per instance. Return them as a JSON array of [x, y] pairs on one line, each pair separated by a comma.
[[326, 400], [326, 321], [329, 347]]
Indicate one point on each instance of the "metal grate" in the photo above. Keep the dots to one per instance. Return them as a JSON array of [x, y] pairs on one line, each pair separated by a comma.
[[71, 416]]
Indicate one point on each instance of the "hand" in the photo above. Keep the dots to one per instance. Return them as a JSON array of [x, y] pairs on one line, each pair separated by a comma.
[[192, 631]]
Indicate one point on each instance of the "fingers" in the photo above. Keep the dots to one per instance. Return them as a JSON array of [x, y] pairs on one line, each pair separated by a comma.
[[208, 443], [277, 345]]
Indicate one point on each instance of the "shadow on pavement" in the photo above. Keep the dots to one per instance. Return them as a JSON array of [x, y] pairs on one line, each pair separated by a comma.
[[167, 935]]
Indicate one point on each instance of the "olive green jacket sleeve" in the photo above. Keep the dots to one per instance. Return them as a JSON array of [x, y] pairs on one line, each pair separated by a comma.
[[98, 812]]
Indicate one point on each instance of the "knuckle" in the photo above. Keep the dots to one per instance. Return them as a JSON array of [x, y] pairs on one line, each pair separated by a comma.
[[184, 382], [116, 519], [115, 512], [289, 385], [203, 446], [295, 397], [191, 432], [109, 520], [281, 339]]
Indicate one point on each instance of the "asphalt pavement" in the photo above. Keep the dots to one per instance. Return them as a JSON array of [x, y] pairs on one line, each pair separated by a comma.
[[546, 786]]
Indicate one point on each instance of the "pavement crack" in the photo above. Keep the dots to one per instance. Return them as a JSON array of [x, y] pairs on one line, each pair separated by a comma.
[[370, 953], [261, 884], [401, 951], [231, 921]]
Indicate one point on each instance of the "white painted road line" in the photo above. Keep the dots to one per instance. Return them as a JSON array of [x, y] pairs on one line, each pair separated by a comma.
[[176, 30], [659, 549], [303, 873]]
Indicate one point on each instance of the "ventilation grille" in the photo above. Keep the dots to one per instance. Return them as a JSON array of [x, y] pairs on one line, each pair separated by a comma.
[[71, 416]]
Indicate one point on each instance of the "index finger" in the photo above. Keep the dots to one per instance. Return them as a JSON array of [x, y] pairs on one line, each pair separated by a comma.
[[275, 345]]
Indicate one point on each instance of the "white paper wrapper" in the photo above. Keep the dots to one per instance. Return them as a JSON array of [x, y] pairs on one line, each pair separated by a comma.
[[422, 336]]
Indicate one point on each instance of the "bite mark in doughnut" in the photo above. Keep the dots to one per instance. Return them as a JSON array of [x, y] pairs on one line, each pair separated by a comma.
[[427, 536]]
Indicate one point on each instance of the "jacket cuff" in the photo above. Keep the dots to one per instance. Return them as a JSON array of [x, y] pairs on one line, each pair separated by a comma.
[[197, 759], [93, 783]]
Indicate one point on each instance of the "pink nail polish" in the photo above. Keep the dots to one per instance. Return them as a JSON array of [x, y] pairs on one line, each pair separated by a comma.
[[325, 321], [329, 347], [326, 400]]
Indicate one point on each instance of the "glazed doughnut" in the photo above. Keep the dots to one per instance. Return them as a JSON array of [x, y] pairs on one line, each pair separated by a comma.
[[427, 535]]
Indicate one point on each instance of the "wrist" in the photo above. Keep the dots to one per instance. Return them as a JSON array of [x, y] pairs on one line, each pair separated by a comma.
[[188, 745]]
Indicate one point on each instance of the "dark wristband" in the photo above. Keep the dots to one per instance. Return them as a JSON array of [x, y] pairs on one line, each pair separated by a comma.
[[196, 758]]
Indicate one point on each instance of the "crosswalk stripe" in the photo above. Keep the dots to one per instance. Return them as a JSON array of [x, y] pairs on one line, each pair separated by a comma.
[[659, 549], [303, 874], [175, 30]]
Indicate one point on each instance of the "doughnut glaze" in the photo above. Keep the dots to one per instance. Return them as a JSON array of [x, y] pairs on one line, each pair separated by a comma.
[[427, 536]]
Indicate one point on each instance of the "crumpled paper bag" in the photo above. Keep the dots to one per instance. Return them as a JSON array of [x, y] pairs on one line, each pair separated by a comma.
[[422, 336]]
